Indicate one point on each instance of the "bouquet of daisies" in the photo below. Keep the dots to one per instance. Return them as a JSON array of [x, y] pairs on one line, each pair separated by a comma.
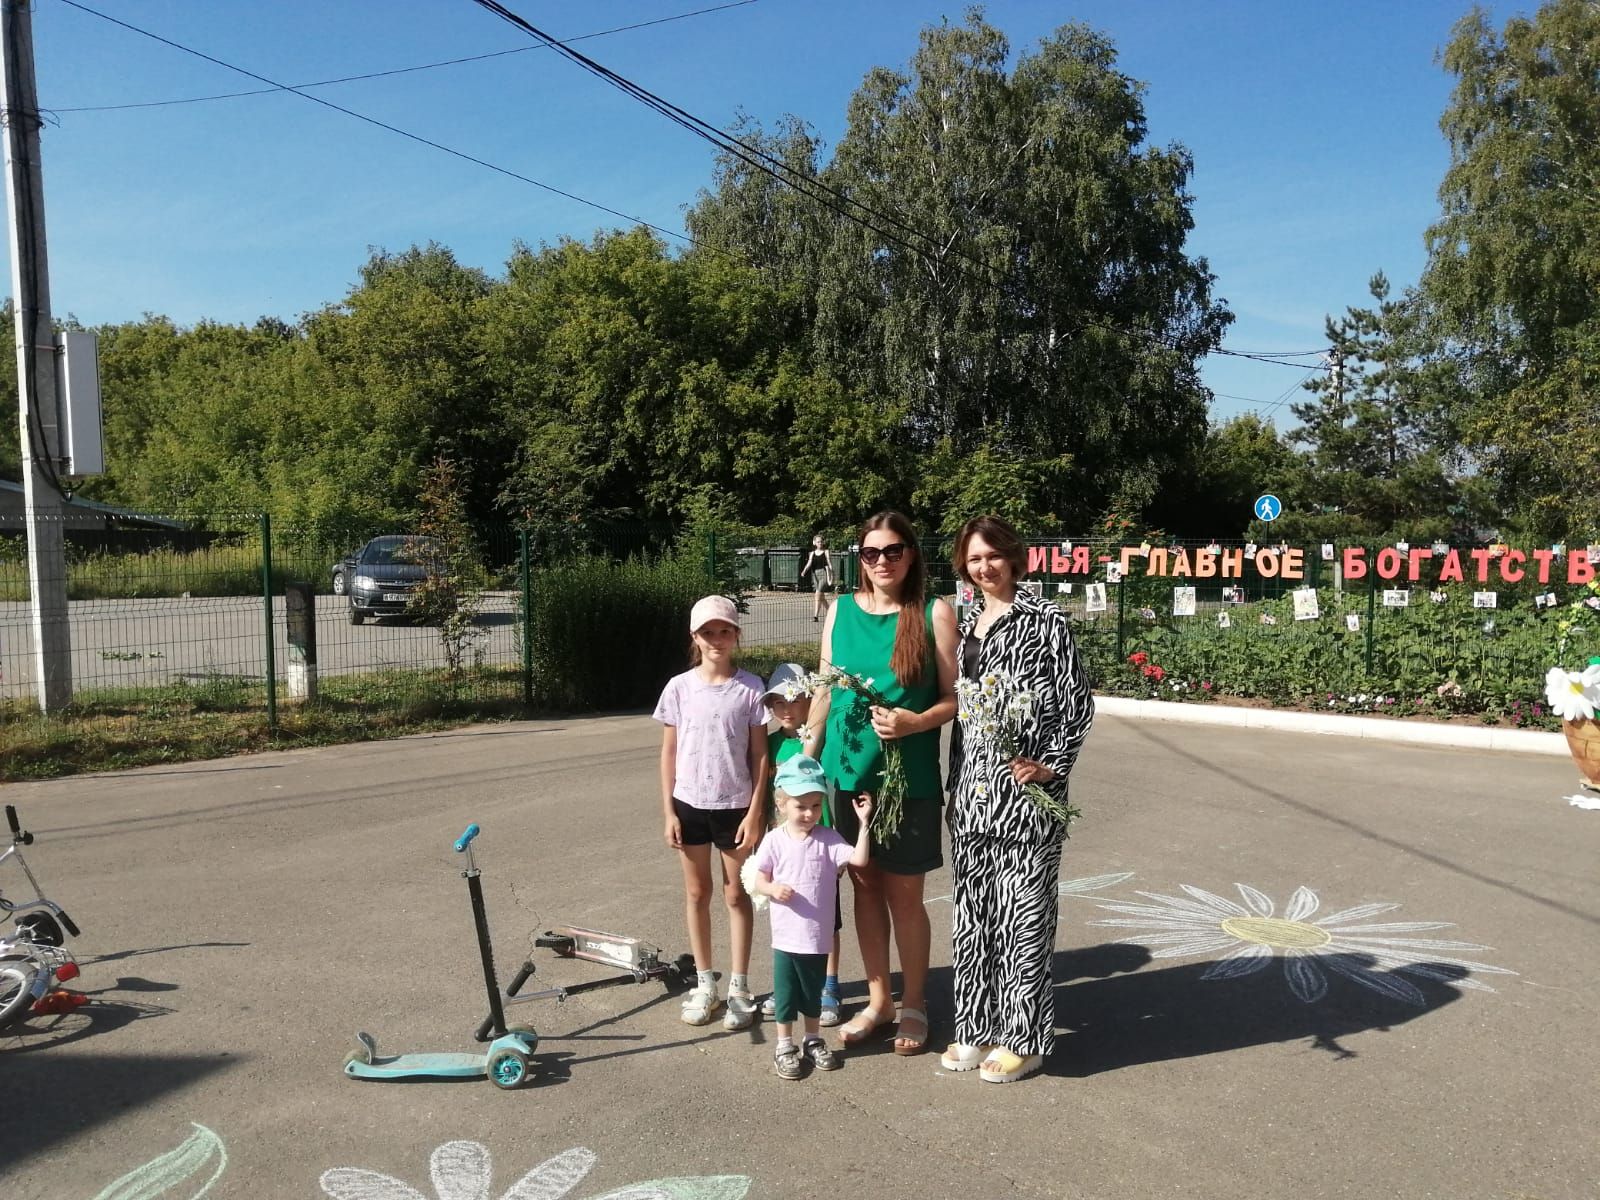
[[889, 806], [994, 712]]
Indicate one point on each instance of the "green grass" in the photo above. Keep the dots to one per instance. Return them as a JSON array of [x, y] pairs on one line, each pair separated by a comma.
[[225, 569]]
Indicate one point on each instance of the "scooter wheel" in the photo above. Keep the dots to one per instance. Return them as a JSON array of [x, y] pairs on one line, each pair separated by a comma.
[[528, 1034], [508, 1069], [41, 929]]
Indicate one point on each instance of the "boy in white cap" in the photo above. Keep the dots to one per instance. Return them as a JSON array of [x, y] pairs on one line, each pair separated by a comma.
[[797, 867]]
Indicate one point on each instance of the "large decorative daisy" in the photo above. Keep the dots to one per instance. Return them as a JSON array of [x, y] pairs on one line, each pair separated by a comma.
[[1378, 956], [463, 1171]]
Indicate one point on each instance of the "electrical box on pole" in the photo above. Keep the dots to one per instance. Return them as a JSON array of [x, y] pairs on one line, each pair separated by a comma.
[[81, 446]]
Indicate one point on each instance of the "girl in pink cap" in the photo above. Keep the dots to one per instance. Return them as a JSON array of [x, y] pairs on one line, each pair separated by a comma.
[[713, 776]]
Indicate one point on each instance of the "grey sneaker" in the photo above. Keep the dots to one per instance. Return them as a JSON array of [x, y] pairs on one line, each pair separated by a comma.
[[830, 1010], [787, 1063], [741, 1012], [821, 1057]]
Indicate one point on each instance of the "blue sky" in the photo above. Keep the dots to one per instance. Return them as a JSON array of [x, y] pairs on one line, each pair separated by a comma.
[[1314, 130]]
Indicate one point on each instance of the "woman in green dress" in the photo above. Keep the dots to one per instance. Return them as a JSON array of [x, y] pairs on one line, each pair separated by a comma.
[[891, 632]]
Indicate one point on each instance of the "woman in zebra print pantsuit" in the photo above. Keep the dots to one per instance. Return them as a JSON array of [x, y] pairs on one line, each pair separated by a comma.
[[1005, 853]]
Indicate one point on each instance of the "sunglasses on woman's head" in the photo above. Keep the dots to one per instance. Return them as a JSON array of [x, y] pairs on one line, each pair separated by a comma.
[[893, 552]]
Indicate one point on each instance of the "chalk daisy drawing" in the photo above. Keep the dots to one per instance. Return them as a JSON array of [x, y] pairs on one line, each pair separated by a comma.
[[1377, 956], [463, 1171]]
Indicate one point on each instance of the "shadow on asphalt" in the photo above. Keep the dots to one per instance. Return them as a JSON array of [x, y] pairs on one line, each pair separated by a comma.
[[1249, 784], [72, 1093], [121, 954], [1118, 1015]]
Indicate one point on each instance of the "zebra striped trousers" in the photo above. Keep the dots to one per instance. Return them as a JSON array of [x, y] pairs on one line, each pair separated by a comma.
[[1005, 902]]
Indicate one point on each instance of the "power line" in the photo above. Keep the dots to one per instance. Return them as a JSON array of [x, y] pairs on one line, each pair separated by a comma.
[[350, 112], [449, 62], [816, 189]]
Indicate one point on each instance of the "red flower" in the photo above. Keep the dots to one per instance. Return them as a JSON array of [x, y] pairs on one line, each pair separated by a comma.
[[1154, 672], [1139, 659], [1205, 687]]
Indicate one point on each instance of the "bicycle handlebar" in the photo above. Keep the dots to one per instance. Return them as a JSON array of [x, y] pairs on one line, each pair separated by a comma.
[[465, 839]]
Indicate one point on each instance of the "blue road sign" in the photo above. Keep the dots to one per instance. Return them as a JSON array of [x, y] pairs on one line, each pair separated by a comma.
[[1268, 507]]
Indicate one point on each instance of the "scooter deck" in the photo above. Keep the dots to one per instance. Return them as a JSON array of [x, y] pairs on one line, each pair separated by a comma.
[[425, 1065], [598, 946]]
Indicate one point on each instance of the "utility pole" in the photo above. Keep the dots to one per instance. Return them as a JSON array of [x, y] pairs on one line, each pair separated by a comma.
[[45, 506]]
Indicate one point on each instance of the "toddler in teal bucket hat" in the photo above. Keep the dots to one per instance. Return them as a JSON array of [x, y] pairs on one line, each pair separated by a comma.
[[797, 867]]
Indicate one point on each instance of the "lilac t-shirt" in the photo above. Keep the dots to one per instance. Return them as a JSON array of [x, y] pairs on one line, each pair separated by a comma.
[[809, 865], [713, 721]]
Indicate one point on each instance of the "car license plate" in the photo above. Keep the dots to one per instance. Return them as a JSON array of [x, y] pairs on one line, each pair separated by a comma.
[[394, 597]]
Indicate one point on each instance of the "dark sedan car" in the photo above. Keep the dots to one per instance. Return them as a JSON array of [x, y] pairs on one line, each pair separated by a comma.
[[386, 573]]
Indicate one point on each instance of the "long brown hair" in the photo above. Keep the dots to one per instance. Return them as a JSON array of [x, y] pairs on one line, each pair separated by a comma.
[[911, 659]]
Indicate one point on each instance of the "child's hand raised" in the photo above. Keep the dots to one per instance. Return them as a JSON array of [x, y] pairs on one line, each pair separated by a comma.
[[781, 892], [863, 806]]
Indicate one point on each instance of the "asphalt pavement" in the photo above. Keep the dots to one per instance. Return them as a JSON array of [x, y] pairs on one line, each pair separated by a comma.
[[1421, 1023]]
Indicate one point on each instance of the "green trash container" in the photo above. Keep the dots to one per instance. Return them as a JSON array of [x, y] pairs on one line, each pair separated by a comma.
[[751, 566], [783, 567]]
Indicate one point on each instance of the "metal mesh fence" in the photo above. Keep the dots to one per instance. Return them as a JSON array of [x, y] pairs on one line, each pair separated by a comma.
[[163, 610]]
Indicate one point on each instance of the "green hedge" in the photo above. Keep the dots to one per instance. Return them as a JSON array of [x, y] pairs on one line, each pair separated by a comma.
[[609, 635]]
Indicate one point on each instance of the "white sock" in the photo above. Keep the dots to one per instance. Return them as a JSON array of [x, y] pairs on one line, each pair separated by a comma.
[[783, 1044], [706, 981], [739, 983]]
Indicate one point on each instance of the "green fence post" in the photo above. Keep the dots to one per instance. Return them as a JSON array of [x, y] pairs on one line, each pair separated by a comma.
[[1372, 605], [527, 624], [1122, 608], [266, 605]]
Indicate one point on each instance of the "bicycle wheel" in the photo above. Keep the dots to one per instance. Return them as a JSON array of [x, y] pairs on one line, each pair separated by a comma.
[[17, 976]]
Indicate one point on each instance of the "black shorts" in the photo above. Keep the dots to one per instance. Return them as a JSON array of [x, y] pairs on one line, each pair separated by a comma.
[[708, 826]]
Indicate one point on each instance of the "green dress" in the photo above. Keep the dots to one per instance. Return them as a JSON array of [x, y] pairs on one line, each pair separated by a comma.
[[852, 756]]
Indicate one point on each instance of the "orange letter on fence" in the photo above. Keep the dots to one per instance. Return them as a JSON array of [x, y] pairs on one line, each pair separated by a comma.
[[1080, 560], [1414, 560], [1036, 559], [1294, 563], [1580, 568], [1543, 557], [1157, 563], [1180, 564], [1388, 563], [1205, 564], [1509, 559], [1233, 563], [1266, 564], [1450, 569], [1129, 553], [1481, 557], [1355, 562], [1060, 564]]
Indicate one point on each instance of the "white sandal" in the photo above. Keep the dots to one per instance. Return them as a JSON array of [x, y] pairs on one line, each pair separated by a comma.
[[700, 1005], [960, 1057]]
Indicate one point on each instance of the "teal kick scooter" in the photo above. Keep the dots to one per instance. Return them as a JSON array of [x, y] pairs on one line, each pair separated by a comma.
[[506, 1063]]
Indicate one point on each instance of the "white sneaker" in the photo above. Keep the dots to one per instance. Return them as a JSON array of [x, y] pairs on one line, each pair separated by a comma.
[[741, 1011], [769, 1006], [700, 1005]]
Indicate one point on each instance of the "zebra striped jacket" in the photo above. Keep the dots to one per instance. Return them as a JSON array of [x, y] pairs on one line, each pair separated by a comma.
[[1032, 643]]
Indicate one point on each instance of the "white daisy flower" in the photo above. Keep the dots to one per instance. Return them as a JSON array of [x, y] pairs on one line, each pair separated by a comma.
[[1573, 695], [462, 1171], [1377, 956]]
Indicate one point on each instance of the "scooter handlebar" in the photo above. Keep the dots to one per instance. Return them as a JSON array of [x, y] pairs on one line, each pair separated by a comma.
[[11, 819], [465, 839]]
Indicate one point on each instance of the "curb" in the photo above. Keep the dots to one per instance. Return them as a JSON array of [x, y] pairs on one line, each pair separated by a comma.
[[1520, 741]]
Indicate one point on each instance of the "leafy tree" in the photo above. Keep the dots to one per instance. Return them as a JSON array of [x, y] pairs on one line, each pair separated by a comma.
[[1513, 278], [1240, 459], [1017, 278], [450, 593], [1378, 433]]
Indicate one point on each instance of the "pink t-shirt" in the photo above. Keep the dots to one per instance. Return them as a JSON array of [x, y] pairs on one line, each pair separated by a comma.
[[810, 865], [713, 721]]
